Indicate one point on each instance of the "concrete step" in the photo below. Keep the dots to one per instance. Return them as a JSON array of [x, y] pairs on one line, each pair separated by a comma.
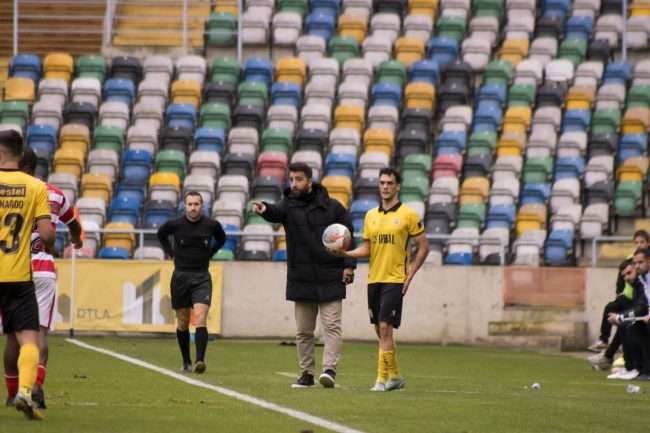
[[529, 342], [573, 334]]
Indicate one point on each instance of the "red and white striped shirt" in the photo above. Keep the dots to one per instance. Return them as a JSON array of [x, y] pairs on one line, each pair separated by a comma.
[[43, 262]]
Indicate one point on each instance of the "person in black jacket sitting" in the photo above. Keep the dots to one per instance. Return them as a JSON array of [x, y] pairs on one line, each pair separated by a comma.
[[316, 280]]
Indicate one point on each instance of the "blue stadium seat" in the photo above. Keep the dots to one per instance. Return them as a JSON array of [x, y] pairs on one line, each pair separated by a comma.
[[559, 248], [579, 26], [42, 139], [330, 7], [232, 242], [157, 212], [125, 209], [136, 166], [358, 211], [340, 164], [117, 89], [535, 193], [181, 116], [442, 50], [113, 253], [487, 117], [279, 256], [576, 120], [556, 8], [59, 240], [320, 24], [211, 139], [569, 167], [501, 216], [493, 92], [632, 145], [259, 69], [617, 73], [425, 71], [459, 259], [386, 94], [286, 94], [131, 190], [451, 142], [26, 65]]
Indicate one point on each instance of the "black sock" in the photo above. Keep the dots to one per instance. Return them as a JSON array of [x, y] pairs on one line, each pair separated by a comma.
[[183, 338], [201, 338]]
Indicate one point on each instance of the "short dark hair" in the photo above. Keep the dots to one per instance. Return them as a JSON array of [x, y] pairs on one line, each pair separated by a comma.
[[12, 141], [389, 171], [641, 234], [644, 251], [624, 264], [193, 193], [28, 162], [301, 167]]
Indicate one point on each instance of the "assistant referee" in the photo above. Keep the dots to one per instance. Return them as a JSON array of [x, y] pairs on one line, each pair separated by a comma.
[[196, 239], [387, 231]]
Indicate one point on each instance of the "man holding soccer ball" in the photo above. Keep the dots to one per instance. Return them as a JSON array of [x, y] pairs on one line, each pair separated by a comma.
[[387, 231], [316, 280]]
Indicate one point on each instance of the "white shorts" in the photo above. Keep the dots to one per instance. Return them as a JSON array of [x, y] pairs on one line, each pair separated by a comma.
[[45, 296]]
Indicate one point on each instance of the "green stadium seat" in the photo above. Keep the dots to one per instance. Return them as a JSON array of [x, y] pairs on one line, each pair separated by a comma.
[[574, 50], [452, 27], [414, 188], [498, 72], [225, 69], [224, 255], [91, 66], [538, 170], [252, 93], [343, 48], [627, 198], [108, 137], [488, 8], [298, 6], [391, 71], [471, 216], [15, 113], [171, 161], [215, 115], [638, 96], [521, 95], [417, 164], [482, 143], [606, 121], [276, 140], [221, 30]]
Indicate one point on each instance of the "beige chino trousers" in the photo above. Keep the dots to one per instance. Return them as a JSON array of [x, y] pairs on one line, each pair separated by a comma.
[[330, 317]]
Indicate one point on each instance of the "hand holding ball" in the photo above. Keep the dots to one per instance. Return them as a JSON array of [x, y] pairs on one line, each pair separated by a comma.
[[337, 238]]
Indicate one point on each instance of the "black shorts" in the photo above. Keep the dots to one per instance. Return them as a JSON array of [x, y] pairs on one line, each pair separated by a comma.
[[385, 303], [18, 307], [189, 288]]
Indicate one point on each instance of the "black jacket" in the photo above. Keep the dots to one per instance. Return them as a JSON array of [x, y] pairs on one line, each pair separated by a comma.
[[638, 306], [313, 275]]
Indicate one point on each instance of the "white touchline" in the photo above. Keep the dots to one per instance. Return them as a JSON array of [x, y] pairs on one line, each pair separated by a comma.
[[302, 416]]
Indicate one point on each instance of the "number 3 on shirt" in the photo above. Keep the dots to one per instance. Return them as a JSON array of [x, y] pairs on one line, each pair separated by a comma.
[[10, 242]]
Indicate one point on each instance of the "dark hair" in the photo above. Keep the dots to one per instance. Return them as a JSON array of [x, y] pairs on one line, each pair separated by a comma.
[[28, 162], [301, 167], [644, 251], [624, 264], [388, 171], [193, 193], [641, 234], [12, 141]]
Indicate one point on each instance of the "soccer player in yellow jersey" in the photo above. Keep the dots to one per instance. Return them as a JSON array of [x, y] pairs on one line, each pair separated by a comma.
[[23, 204], [387, 231]]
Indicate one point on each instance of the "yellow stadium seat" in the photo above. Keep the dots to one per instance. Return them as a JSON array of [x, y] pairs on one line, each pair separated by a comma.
[[379, 140], [281, 239], [75, 136], [420, 95], [339, 188], [615, 250], [409, 50], [514, 50], [349, 116], [633, 169], [580, 98], [474, 190], [97, 186], [531, 217], [58, 66], [636, 120], [20, 89], [186, 92], [291, 70], [69, 161], [517, 119], [165, 178], [639, 9], [511, 144], [353, 26], [123, 239], [227, 6], [423, 7]]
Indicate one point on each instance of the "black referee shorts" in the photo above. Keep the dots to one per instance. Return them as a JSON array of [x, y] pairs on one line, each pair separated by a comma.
[[385, 303], [18, 307], [191, 287]]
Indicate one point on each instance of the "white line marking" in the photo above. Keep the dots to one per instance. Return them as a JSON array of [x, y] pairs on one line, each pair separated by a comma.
[[286, 374], [302, 416]]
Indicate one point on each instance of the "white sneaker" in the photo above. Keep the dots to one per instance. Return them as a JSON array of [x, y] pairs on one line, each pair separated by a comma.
[[393, 384], [378, 387], [615, 375], [629, 375]]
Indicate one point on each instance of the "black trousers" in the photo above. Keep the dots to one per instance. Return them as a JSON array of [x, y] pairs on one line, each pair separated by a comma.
[[619, 304], [636, 345]]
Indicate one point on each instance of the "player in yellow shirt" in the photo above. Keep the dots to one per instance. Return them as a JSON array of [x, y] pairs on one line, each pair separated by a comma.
[[23, 204], [387, 231]]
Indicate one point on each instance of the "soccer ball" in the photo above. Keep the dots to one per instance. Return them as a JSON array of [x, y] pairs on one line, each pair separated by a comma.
[[337, 237]]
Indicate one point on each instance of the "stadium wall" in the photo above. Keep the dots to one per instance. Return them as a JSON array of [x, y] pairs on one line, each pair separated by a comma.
[[444, 304]]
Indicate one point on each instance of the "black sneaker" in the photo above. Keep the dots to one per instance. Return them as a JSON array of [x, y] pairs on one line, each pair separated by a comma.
[[9, 402], [643, 377], [38, 397], [304, 381], [328, 378], [199, 367]]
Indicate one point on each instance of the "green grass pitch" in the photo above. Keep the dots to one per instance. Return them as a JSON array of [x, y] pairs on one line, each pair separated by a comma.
[[449, 389]]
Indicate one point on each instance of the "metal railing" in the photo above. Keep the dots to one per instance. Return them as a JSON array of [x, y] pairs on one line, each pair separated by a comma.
[[603, 239]]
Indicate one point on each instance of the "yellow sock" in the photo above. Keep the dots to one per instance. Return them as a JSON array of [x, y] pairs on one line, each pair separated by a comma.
[[393, 366], [382, 369], [27, 368]]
